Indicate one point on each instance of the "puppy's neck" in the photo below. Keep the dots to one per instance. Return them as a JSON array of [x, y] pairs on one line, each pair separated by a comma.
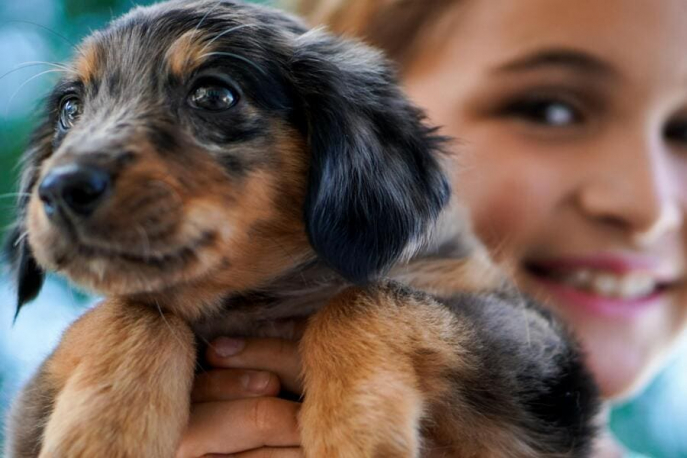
[[276, 309]]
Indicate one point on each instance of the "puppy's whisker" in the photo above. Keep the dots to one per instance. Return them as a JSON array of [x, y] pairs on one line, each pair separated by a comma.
[[205, 16], [226, 32], [9, 103], [47, 29], [15, 194], [171, 329], [236, 56], [33, 64], [21, 238], [53, 64]]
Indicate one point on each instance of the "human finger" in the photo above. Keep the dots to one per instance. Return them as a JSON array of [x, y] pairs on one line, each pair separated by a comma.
[[239, 426], [278, 356], [266, 452], [232, 384]]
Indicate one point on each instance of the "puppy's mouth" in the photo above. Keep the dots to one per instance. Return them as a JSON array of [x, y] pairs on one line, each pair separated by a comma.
[[119, 268], [84, 243], [141, 239], [180, 255]]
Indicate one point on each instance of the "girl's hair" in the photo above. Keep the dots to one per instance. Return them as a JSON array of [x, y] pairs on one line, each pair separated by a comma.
[[392, 25]]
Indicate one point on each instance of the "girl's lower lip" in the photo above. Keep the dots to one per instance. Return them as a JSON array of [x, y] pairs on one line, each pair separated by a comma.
[[599, 305]]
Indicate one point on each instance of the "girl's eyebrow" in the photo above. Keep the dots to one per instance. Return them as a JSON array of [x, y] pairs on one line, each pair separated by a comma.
[[569, 59]]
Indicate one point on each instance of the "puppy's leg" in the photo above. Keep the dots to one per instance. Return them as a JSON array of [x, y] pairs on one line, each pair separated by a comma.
[[27, 417], [121, 380], [362, 394], [393, 373]]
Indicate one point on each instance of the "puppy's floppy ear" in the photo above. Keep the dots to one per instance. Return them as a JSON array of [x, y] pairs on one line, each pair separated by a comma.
[[28, 275], [375, 183]]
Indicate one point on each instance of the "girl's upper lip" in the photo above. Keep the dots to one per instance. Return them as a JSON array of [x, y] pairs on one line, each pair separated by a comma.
[[619, 264]]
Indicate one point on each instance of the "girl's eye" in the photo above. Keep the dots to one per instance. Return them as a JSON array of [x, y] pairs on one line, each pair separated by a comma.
[[676, 132], [212, 97], [70, 111], [547, 112]]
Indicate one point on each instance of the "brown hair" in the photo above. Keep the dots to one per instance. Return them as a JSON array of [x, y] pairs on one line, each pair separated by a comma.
[[391, 25]]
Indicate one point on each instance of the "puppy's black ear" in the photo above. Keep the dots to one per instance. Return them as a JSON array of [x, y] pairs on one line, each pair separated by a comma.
[[28, 275], [375, 183]]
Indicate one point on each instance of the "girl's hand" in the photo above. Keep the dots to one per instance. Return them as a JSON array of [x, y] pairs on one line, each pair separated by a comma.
[[235, 409]]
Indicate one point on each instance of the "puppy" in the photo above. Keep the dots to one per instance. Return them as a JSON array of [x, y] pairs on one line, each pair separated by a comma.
[[215, 168]]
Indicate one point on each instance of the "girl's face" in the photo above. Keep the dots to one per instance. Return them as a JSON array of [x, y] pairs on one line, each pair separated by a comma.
[[572, 120]]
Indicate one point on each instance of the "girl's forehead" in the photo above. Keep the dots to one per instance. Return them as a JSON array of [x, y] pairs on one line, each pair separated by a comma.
[[638, 36]]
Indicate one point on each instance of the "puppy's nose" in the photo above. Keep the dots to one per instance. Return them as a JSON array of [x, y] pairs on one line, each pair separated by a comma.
[[76, 187]]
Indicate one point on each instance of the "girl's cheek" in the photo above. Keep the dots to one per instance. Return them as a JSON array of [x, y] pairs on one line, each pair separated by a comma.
[[511, 197]]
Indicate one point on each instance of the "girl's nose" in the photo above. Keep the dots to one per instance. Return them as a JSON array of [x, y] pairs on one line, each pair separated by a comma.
[[634, 189]]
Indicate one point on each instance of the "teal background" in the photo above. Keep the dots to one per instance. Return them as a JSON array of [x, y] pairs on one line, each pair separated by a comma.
[[655, 423]]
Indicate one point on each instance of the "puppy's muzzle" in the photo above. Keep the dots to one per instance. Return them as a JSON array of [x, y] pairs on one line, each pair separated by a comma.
[[75, 189]]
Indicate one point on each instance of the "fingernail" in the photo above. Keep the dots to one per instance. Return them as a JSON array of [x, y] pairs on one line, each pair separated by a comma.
[[225, 346], [255, 381]]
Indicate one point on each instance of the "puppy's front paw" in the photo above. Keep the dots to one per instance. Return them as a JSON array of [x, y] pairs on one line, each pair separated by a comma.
[[360, 426], [115, 420], [125, 391], [362, 398]]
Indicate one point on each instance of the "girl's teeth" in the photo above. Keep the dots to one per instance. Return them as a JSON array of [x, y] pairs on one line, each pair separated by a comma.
[[631, 286], [581, 278], [605, 285], [638, 285]]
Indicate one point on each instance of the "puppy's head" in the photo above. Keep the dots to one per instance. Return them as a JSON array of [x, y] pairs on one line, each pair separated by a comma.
[[220, 141]]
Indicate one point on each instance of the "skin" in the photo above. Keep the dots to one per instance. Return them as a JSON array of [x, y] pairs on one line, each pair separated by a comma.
[[235, 409], [592, 169]]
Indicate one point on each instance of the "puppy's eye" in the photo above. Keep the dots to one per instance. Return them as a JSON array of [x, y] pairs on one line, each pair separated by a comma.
[[70, 110], [212, 96]]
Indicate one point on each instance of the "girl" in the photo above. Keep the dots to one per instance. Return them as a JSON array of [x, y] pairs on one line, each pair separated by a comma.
[[572, 119]]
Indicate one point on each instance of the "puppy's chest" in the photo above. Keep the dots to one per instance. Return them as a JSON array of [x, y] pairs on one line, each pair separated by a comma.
[[282, 315], [248, 325]]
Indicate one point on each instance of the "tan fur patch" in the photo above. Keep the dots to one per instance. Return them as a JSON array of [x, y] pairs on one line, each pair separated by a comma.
[[378, 388], [186, 53], [88, 61], [121, 368], [28, 416], [258, 223]]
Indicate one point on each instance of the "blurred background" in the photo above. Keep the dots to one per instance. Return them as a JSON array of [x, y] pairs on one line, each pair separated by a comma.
[[33, 32]]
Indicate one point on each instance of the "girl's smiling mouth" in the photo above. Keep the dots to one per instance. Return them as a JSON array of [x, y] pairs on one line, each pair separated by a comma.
[[606, 285]]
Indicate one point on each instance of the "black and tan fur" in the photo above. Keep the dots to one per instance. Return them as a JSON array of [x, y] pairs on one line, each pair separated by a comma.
[[319, 194]]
